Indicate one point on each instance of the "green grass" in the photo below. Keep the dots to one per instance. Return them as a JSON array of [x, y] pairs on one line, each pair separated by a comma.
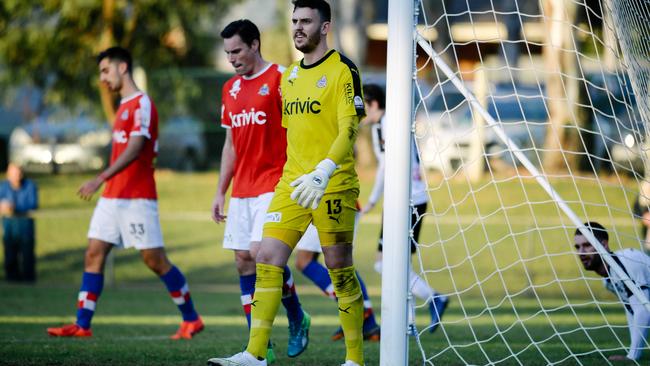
[[478, 259]]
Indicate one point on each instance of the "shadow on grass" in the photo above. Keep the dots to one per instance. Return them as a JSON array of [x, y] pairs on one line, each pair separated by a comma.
[[66, 265]]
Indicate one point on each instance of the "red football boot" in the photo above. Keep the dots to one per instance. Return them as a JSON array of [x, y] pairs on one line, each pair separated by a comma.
[[187, 330], [70, 330]]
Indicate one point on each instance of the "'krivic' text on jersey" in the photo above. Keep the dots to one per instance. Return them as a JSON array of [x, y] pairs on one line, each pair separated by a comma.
[[299, 107]]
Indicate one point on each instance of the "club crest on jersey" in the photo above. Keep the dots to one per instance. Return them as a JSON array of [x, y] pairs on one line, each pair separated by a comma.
[[322, 82], [119, 137], [358, 102], [125, 115], [264, 90], [293, 75], [235, 89]]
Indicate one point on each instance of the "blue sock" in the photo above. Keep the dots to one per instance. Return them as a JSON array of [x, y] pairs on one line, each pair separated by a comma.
[[290, 298], [180, 293], [318, 274], [247, 286], [91, 287]]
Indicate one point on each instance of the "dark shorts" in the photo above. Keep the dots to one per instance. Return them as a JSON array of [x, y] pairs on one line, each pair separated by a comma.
[[418, 211]]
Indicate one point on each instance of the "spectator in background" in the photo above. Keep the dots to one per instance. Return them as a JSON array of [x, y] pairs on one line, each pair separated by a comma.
[[18, 196]]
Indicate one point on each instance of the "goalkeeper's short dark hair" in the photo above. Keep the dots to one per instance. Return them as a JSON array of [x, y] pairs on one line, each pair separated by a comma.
[[597, 229], [245, 29], [374, 92], [117, 54], [321, 6]]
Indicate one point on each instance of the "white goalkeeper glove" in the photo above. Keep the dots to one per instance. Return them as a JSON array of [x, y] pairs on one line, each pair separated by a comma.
[[310, 188]]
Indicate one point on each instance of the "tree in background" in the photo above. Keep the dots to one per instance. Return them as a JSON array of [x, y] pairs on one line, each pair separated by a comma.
[[52, 43], [352, 16], [561, 83]]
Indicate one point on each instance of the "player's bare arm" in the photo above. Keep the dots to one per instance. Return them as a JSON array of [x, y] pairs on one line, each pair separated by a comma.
[[133, 149], [226, 173], [368, 207]]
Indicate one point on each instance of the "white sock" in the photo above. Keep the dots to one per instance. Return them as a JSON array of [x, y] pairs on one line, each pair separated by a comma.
[[378, 267], [419, 287]]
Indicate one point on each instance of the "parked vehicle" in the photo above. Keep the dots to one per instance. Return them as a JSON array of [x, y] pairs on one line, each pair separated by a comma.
[[9, 119], [76, 145], [615, 135], [446, 128], [182, 145], [523, 115], [441, 128]]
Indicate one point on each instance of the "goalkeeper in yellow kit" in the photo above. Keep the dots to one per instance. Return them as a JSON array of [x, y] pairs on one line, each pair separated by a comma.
[[322, 105]]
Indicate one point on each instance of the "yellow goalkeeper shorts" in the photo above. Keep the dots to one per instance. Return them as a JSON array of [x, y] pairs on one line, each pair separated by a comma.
[[334, 218]]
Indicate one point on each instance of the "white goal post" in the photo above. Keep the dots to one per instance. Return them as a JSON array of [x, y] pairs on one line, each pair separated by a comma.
[[396, 257]]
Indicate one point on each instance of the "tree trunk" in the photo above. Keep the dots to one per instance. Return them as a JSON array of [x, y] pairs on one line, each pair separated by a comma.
[[350, 22], [107, 40], [561, 88]]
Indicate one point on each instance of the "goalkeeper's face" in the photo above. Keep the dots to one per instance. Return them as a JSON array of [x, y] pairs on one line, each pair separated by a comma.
[[589, 257], [308, 29]]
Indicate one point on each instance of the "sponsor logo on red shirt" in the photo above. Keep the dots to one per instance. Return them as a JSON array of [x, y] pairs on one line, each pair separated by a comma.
[[246, 118]]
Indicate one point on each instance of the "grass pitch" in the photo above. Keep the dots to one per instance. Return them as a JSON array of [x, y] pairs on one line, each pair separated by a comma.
[[507, 305]]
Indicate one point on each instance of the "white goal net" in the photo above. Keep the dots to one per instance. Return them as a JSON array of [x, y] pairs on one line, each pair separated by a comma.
[[530, 118]]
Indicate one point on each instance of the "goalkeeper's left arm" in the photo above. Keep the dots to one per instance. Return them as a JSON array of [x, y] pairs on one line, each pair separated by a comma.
[[344, 142], [310, 188]]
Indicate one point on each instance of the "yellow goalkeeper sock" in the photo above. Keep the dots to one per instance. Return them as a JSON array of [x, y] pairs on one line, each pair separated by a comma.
[[348, 293], [268, 292]]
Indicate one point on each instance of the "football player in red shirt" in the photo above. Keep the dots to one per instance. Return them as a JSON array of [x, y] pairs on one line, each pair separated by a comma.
[[127, 213]]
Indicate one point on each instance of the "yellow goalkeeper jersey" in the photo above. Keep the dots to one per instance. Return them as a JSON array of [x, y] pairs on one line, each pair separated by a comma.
[[314, 98]]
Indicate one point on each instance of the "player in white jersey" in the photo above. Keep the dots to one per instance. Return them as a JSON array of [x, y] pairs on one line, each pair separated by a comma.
[[636, 265], [374, 99]]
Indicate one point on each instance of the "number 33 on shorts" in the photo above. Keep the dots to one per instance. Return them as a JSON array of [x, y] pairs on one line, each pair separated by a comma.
[[136, 229]]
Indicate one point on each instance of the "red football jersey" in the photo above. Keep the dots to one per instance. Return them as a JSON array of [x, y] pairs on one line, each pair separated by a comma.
[[252, 109], [137, 116]]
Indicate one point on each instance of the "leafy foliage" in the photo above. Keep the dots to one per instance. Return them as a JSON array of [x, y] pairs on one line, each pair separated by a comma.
[[52, 43]]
